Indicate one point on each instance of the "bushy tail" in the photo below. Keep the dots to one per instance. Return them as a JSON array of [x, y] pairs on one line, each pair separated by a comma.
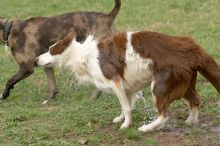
[[211, 71], [116, 9]]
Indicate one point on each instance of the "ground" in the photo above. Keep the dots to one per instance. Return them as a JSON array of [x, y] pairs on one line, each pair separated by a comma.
[[73, 118]]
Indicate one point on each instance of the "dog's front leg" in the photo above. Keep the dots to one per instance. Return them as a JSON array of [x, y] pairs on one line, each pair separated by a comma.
[[25, 70], [52, 83], [132, 100], [119, 90]]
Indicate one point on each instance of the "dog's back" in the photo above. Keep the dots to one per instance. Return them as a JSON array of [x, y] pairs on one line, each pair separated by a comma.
[[38, 33]]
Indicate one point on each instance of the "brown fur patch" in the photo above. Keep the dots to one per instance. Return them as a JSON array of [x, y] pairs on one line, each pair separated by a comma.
[[176, 60], [166, 50], [182, 54], [112, 56], [61, 45], [191, 95]]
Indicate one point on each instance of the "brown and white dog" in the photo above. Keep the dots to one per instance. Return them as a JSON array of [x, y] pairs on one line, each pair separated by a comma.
[[32, 37], [127, 62]]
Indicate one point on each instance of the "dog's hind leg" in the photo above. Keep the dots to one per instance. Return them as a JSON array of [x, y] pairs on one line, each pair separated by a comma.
[[165, 89], [25, 70], [51, 82], [162, 105], [192, 99]]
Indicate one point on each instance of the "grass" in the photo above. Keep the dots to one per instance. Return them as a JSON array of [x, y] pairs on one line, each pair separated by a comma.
[[73, 117]]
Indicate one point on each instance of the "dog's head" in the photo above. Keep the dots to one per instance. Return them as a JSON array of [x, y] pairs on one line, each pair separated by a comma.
[[2, 25], [54, 55]]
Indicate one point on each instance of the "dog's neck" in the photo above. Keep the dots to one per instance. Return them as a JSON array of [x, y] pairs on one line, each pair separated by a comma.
[[6, 32], [6, 29]]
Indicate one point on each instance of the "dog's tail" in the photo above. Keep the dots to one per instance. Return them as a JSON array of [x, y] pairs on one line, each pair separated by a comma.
[[210, 70], [116, 9]]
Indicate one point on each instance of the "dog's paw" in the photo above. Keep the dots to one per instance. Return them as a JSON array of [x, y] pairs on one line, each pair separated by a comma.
[[45, 102], [125, 125], [145, 128], [118, 119], [190, 121]]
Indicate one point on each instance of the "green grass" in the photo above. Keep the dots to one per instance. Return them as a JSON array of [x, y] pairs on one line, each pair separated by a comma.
[[73, 116]]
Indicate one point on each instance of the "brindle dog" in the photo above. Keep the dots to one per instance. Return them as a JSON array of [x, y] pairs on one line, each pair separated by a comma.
[[32, 37]]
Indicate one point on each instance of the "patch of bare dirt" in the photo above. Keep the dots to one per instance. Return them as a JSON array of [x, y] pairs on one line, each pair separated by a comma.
[[169, 138]]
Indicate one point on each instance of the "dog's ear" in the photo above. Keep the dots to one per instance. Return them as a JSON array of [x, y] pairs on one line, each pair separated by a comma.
[[60, 46], [69, 37]]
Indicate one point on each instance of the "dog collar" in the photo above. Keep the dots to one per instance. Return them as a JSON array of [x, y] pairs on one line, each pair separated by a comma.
[[6, 32]]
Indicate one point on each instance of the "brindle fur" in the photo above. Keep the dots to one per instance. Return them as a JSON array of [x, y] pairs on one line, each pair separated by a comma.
[[32, 37]]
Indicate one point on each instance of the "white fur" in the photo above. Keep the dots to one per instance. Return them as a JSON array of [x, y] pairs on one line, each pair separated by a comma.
[[44, 102], [6, 49], [45, 59], [193, 116], [119, 118], [158, 123], [82, 60], [124, 101]]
